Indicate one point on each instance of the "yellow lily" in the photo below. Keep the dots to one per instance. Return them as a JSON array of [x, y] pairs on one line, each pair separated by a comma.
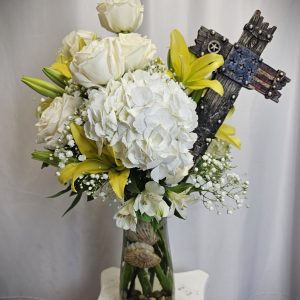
[[227, 133], [95, 163], [62, 65], [193, 72]]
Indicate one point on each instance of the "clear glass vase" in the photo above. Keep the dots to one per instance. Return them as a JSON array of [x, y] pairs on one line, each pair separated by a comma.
[[146, 268]]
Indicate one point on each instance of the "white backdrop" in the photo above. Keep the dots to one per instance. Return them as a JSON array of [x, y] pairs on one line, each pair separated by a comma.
[[253, 255]]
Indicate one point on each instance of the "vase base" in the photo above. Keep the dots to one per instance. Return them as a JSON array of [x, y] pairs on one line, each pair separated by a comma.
[[188, 285], [156, 295]]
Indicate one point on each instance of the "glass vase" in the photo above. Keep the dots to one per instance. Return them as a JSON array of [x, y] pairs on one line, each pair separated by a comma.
[[146, 268]]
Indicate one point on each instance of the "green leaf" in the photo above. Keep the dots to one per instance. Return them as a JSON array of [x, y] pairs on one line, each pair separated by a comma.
[[74, 203], [144, 217], [90, 198], [44, 165], [155, 224], [196, 95], [178, 215], [61, 192], [179, 188], [132, 187]]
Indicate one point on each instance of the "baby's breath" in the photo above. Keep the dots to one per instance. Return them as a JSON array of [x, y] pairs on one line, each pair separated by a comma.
[[219, 188]]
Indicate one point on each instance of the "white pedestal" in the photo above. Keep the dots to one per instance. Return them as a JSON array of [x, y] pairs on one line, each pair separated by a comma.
[[189, 285]]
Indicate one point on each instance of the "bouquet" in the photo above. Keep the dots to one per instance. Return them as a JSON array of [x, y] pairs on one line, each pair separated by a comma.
[[118, 123]]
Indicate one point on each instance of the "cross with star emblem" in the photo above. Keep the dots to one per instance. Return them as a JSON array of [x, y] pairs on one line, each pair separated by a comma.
[[243, 68]]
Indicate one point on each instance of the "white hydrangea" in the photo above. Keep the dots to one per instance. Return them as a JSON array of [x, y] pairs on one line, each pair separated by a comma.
[[149, 121], [102, 116]]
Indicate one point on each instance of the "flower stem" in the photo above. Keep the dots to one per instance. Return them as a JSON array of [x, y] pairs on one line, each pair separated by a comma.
[[145, 283], [165, 282], [125, 276], [132, 284]]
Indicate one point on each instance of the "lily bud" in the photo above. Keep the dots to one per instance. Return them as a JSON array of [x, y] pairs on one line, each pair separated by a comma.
[[43, 87]]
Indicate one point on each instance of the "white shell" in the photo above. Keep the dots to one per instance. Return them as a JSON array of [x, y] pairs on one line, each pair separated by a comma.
[[141, 255], [144, 233]]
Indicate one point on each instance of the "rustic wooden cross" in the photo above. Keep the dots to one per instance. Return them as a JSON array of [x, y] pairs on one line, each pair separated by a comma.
[[243, 67]]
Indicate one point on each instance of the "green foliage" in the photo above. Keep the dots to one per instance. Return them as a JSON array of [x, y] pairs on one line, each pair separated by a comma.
[[74, 203], [196, 95], [144, 217], [179, 188], [138, 180], [61, 192]]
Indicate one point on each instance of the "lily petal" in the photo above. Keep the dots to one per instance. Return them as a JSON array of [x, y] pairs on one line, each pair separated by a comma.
[[85, 145], [118, 181]]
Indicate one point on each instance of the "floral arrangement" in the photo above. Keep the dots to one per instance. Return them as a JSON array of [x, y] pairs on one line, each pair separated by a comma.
[[118, 123]]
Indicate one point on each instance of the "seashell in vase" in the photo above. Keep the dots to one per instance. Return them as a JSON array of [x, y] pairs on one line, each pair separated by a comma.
[[141, 255], [144, 233]]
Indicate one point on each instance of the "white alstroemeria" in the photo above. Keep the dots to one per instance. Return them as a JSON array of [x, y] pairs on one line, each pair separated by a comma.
[[156, 120], [120, 15], [137, 50], [74, 41], [126, 217], [52, 121], [98, 62], [151, 202], [180, 201]]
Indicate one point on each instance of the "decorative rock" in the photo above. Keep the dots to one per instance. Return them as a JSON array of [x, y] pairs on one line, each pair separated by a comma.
[[156, 294]]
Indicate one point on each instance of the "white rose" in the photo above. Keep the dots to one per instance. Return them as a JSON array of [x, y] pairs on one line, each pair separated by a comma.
[[98, 62], [51, 123], [120, 15], [137, 50], [74, 41]]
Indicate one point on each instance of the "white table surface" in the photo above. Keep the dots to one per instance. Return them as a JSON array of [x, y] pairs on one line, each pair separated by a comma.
[[188, 285]]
